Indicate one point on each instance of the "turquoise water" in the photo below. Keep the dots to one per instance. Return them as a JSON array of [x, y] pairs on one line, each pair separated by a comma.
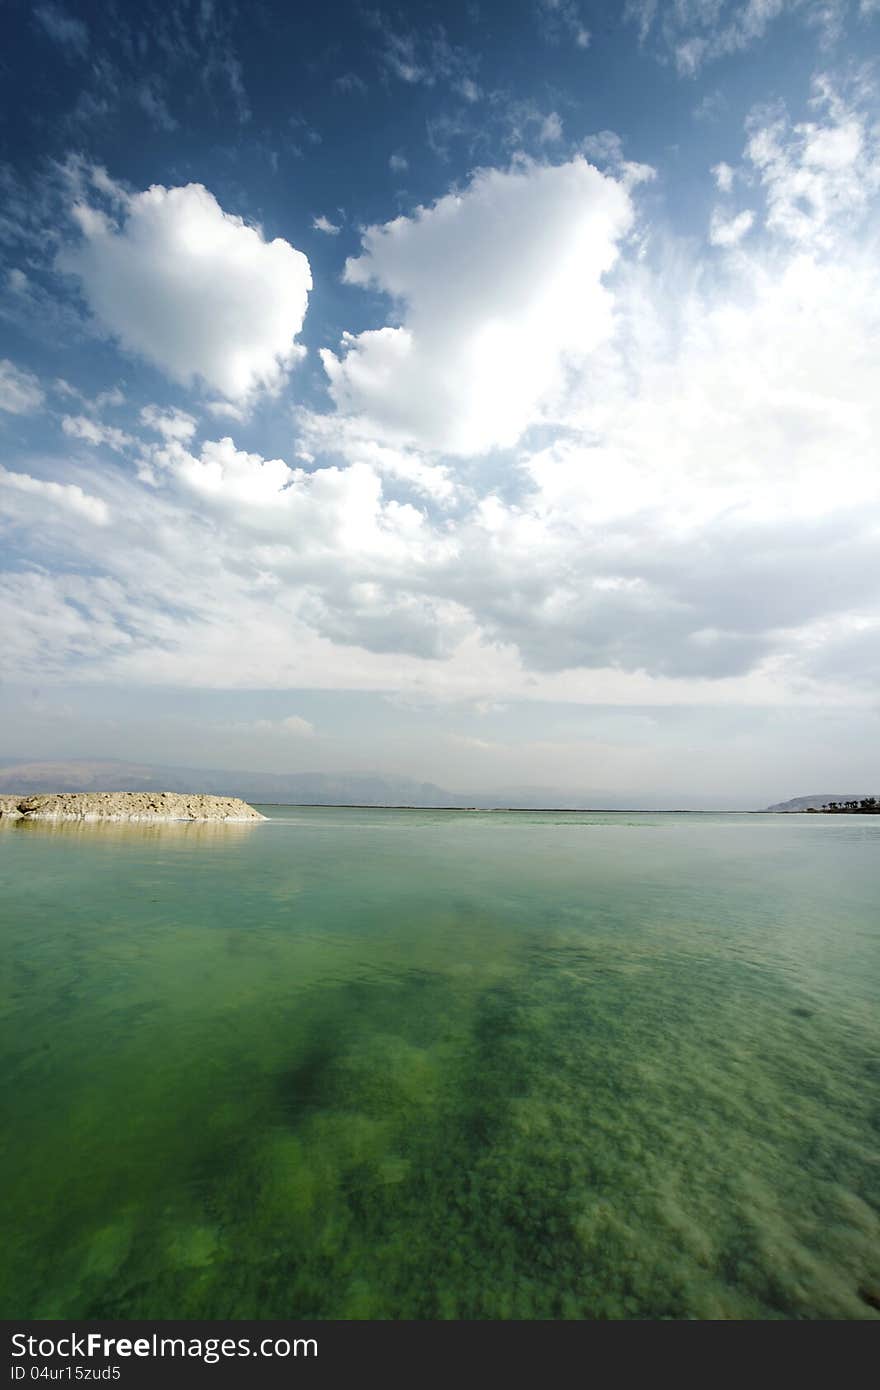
[[405, 1064]]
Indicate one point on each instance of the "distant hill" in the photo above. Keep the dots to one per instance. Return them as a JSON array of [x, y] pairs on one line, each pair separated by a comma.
[[806, 803], [26, 776], [315, 788]]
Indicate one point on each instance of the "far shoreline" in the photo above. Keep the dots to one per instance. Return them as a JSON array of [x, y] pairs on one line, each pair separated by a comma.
[[514, 810]]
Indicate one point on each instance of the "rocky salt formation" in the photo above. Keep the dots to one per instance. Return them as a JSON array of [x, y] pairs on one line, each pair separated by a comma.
[[126, 806]]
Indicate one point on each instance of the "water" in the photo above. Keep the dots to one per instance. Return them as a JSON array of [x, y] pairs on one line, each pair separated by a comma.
[[379, 1064]]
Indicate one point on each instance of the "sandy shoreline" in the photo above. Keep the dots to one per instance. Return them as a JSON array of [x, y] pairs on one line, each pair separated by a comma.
[[127, 806]]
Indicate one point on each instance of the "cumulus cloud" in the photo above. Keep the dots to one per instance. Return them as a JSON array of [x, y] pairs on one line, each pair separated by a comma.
[[323, 513], [818, 176], [195, 290], [323, 224], [67, 496], [20, 391], [496, 289], [221, 471], [728, 231], [95, 432], [696, 518], [352, 440], [171, 424], [708, 513]]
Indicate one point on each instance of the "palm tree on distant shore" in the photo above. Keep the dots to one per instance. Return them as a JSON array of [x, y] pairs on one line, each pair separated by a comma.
[[867, 806]]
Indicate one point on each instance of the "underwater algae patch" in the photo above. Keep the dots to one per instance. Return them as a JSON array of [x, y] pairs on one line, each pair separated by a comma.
[[542, 1153], [570, 1104]]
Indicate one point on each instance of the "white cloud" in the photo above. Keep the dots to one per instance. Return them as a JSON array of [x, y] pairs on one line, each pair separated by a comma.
[[20, 391], [695, 521], [223, 472], [171, 424], [604, 147], [94, 432], [328, 512], [197, 291], [723, 176], [225, 410], [112, 397], [497, 287], [663, 548], [351, 439], [551, 129], [729, 231], [398, 163], [527, 125], [323, 224], [68, 496], [818, 176]]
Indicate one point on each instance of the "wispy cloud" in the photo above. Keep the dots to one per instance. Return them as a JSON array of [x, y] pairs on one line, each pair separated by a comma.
[[729, 231], [696, 32], [425, 56], [71, 33], [20, 391], [561, 20], [350, 82], [152, 100], [96, 433]]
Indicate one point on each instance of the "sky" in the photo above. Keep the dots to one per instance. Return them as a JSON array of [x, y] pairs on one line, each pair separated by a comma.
[[480, 392]]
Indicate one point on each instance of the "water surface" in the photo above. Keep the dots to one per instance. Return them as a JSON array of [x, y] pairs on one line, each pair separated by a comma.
[[400, 1064]]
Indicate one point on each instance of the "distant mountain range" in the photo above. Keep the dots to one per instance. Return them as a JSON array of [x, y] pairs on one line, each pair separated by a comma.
[[319, 788], [18, 775], [807, 803], [313, 788]]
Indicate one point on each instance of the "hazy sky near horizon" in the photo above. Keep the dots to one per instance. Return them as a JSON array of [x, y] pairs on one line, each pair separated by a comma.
[[483, 392]]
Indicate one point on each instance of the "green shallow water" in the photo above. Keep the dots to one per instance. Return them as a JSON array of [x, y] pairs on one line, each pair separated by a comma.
[[379, 1064]]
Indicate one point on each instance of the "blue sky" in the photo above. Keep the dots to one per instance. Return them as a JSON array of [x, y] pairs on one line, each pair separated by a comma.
[[479, 392]]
